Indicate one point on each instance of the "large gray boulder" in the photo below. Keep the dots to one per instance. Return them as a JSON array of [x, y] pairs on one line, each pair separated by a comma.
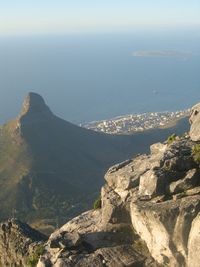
[[189, 181], [194, 243], [165, 228], [195, 123]]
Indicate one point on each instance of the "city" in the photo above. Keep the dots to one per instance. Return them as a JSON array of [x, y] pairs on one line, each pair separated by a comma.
[[131, 123]]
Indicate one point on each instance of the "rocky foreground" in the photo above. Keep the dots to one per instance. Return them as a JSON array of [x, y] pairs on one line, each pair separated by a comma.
[[149, 215], [18, 242]]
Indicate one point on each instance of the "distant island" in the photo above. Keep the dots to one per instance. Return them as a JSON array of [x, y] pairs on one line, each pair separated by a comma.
[[162, 53]]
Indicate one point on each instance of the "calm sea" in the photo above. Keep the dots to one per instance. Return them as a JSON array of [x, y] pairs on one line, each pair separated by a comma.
[[85, 77]]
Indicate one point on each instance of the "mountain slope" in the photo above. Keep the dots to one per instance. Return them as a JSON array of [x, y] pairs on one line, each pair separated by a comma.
[[50, 168]]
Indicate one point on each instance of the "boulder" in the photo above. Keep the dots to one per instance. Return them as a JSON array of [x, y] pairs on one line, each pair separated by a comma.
[[98, 247], [191, 179], [158, 148], [194, 243], [66, 240], [148, 184], [165, 228], [120, 177], [114, 209], [195, 123]]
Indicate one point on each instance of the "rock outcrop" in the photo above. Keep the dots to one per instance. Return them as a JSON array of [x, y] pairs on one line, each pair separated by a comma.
[[85, 242], [195, 123], [18, 243]]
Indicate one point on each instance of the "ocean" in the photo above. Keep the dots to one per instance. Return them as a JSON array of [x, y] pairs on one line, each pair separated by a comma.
[[86, 77]]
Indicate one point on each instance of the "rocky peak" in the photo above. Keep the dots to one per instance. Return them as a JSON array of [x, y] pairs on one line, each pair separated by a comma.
[[34, 104], [34, 110]]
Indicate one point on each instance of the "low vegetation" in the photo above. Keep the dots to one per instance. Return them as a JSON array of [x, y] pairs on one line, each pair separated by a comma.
[[171, 139], [97, 203], [33, 259], [196, 153]]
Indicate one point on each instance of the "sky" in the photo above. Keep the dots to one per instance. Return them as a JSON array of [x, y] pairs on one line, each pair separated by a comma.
[[62, 16]]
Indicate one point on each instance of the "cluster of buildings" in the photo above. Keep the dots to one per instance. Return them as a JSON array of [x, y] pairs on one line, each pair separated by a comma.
[[129, 124]]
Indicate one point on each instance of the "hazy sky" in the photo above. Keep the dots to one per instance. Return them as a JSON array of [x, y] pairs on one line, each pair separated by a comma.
[[60, 16]]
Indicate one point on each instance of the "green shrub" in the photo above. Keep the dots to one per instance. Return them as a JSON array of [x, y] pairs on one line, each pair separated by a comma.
[[97, 203], [196, 153], [171, 139], [33, 259]]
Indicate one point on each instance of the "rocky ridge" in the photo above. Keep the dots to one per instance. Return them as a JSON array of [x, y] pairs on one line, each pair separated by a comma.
[[149, 215]]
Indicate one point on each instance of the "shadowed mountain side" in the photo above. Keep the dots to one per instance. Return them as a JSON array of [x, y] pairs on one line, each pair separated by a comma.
[[144, 139], [51, 169]]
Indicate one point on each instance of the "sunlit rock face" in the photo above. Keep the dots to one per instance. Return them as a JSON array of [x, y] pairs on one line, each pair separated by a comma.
[[195, 123]]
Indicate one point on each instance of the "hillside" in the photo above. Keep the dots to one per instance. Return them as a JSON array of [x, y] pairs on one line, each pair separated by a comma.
[[51, 169]]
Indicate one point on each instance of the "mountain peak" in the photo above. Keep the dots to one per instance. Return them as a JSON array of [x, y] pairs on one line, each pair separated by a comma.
[[34, 104]]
